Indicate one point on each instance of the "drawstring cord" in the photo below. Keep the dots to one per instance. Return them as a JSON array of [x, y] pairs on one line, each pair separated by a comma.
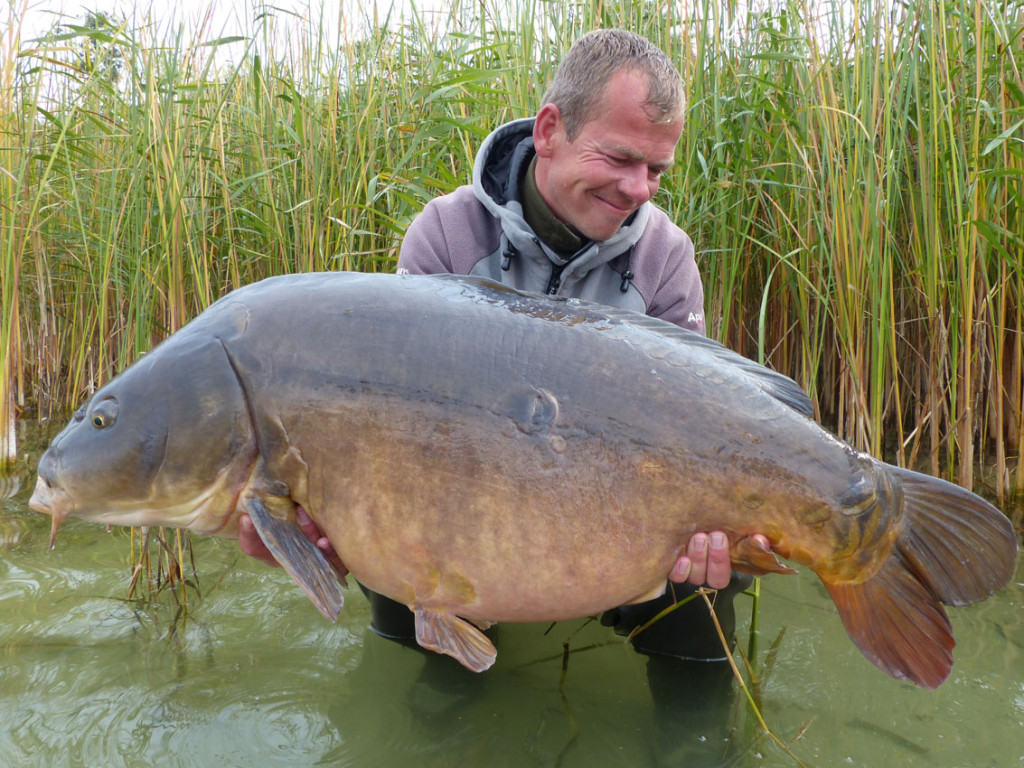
[[506, 260], [627, 275]]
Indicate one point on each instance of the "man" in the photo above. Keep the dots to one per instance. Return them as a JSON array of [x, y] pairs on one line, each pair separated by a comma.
[[560, 204]]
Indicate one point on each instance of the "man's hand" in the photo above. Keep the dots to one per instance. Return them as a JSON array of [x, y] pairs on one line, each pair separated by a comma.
[[251, 544], [706, 561]]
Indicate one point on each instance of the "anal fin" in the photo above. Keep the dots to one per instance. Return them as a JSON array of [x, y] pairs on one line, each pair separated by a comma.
[[748, 556], [444, 632], [300, 558]]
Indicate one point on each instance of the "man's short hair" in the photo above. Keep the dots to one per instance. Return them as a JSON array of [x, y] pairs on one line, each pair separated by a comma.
[[581, 78]]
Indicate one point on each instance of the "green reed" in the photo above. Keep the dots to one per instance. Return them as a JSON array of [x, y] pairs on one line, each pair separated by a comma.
[[859, 178], [850, 173]]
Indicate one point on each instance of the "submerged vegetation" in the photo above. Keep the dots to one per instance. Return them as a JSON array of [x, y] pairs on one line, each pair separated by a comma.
[[851, 173]]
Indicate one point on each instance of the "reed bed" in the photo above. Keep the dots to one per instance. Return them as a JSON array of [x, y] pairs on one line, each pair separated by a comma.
[[851, 173]]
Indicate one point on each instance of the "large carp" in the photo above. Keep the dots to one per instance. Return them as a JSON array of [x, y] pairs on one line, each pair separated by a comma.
[[483, 455]]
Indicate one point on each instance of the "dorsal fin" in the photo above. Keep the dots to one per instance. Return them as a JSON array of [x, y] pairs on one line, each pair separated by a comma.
[[781, 387]]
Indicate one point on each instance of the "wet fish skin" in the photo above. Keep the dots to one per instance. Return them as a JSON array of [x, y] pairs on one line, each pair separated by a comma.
[[478, 453]]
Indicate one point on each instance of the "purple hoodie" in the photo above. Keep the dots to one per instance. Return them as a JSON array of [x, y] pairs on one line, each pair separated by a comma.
[[647, 266]]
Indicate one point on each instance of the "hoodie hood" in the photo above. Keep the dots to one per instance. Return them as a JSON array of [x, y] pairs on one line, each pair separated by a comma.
[[498, 173]]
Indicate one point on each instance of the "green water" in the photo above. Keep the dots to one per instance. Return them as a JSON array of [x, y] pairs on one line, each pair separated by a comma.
[[256, 677]]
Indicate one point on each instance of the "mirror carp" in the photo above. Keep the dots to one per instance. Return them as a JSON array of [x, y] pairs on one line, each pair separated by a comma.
[[485, 455]]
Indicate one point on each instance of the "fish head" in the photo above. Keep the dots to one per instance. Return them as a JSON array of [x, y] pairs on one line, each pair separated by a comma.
[[168, 442]]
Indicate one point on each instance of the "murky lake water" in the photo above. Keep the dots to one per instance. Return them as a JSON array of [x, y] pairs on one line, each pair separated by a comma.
[[256, 677]]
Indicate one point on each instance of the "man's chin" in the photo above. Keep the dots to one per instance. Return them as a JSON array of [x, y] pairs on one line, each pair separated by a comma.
[[600, 234], [603, 229]]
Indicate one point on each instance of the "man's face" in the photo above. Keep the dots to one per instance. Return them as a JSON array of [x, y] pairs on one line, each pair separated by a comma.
[[595, 182]]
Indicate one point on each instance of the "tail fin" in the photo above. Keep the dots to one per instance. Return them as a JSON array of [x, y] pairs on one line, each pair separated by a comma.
[[960, 546], [954, 548], [897, 624]]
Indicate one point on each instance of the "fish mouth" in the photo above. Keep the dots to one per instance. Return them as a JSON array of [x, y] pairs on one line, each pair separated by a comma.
[[55, 502]]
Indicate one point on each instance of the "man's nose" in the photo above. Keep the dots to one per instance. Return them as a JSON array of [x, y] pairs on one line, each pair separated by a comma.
[[636, 184]]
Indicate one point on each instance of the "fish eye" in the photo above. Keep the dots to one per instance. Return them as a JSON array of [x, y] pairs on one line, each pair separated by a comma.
[[104, 414]]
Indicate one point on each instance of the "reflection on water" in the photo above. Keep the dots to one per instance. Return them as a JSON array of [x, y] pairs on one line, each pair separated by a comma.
[[256, 677]]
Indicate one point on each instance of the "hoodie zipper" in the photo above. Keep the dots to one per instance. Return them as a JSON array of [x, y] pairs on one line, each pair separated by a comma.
[[555, 281]]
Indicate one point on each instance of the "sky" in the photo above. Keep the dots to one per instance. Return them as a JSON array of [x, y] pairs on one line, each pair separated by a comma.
[[221, 18], [39, 15]]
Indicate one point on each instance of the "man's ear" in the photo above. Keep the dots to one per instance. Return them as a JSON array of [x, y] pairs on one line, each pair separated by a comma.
[[548, 130]]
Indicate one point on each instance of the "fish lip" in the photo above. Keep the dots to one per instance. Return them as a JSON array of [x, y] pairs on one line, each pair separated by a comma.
[[55, 502]]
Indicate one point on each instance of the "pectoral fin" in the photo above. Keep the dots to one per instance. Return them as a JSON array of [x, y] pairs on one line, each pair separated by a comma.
[[299, 557], [446, 633], [749, 557]]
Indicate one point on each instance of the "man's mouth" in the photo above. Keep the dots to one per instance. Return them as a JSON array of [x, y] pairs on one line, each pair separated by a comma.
[[621, 209]]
